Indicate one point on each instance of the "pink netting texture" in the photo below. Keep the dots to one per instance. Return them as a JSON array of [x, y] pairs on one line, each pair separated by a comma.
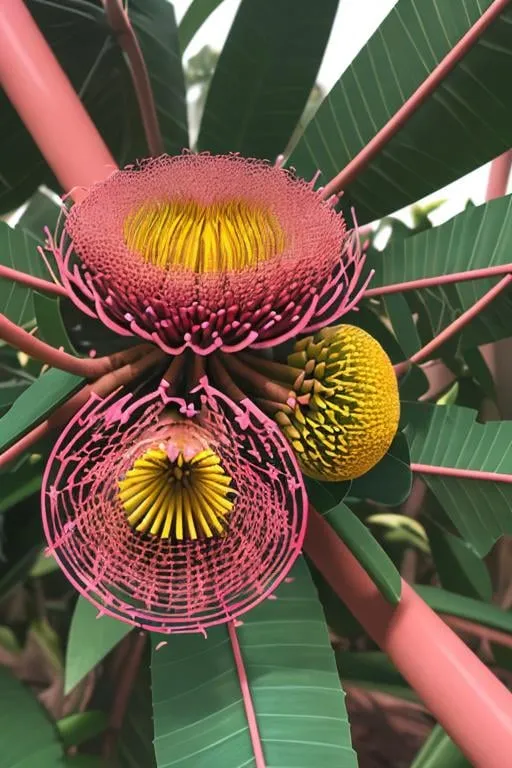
[[312, 281], [160, 584]]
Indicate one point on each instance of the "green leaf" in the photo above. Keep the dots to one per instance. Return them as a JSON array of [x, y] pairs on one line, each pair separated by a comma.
[[466, 122], [50, 326], [442, 601], [18, 250], [90, 639], [264, 76], [195, 16], [326, 495], [20, 544], [80, 727], [366, 550], [41, 211], [448, 436], [389, 482], [372, 671], [403, 323], [135, 745], [459, 568], [439, 751], [200, 720], [38, 401], [87, 49], [27, 737], [20, 483]]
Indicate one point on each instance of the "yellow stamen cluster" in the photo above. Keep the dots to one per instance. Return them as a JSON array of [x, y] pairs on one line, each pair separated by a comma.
[[221, 237], [347, 408], [187, 498]]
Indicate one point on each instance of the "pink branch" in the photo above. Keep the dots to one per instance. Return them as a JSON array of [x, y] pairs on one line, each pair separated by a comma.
[[498, 176], [259, 757], [470, 703], [46, 102], [428, 282], [454, 327], [103, 387], [32, 282], [366, 155], [39, 350], [121, 25], [467, 474]]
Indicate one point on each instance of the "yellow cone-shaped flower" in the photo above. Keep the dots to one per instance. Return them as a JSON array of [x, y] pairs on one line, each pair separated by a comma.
[[347, 408]]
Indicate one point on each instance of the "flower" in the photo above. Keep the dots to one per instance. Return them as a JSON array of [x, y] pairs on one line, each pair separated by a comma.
[[208, 252], [347, 406], [169, 516]]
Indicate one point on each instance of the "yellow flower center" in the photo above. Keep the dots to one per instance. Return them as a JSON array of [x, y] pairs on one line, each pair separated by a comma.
[[180, 498], [348, 407], [221, 237]]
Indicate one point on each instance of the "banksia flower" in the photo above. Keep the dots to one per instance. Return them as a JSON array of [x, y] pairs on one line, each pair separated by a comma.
[[170, 517], [336, 401], [209, 252]]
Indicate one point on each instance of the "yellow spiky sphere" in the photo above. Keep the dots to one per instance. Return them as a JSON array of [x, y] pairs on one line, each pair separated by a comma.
[[347, 408]]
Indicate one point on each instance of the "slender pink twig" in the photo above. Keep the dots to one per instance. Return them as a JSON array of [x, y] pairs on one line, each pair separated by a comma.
[[120, 22], [39, 350], [468, 474], [484, 633], [454, 327], [259, 757], [7, 273], [427, 282], [356, 165], [46, 102], [498, 176], [465, 697]]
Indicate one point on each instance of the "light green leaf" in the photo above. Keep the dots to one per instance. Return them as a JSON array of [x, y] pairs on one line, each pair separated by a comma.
[[264, 76], [449, 436], [80, 727], [439, 751], [27, 737], [50, 326], [442, 601], [36, 403], [403, 323], [366, 549], [18, 250], [466, 122], [200, 719], [459, 568], [90, 639]]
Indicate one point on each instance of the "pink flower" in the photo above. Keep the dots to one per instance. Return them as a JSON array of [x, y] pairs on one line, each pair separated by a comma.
[[118, 518], [209, 252]]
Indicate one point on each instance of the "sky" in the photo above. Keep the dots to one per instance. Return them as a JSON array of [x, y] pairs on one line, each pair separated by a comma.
[[355, 22]]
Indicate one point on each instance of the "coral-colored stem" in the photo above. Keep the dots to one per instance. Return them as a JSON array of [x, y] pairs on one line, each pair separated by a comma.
[[103, 387], [454, 327], [46, 102], [499, 175], [479, 630], [120, 22], [468, 474], [259, 757], [7, 273], [255, 380], [463, 695], [366, 155], [428, 282], [39, 350]]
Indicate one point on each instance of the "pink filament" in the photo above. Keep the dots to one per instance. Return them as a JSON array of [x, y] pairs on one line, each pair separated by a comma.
[[159, 584]]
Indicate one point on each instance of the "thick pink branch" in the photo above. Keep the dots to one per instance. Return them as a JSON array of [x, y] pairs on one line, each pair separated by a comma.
[[121, 25], [498, 176], [454, 327], [428, 282], [46, 102], [259, 757], [463, 695], [366, 155], [465, 474], [7, 273]]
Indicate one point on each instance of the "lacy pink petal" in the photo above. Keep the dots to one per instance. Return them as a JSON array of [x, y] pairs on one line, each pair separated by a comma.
[[312, 280], [160, 584]]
